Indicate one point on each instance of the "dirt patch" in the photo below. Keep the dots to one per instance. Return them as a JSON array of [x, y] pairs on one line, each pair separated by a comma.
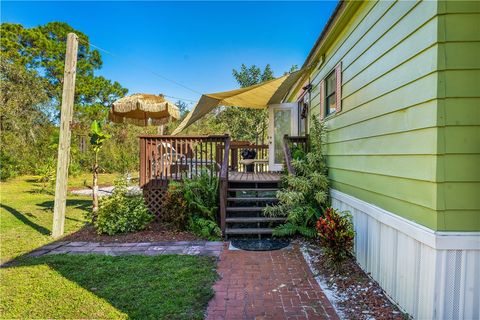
[[155, 232], [354, 294]]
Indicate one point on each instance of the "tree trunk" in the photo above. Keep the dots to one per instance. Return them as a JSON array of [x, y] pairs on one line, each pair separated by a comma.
[[95, 188]]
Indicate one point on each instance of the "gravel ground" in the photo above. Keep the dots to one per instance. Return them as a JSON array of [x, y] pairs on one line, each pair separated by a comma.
[[353, 293]]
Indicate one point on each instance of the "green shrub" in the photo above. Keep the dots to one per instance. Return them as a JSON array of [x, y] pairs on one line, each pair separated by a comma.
[[205, 228], [74, 169], [176, 211], [46, 174], [201, 195], [8, 166], [298, 153], [193, 204], [122, 212], [336, 234], [304, 195]]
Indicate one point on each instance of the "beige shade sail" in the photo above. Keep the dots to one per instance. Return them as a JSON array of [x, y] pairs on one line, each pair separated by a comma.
[[143, 109], [258, 96]]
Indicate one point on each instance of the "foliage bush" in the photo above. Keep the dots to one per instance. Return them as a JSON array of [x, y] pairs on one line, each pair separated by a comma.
[[336, 234], [193, 205], [205, 228], [8, 166], [176, 210], [201, 194], [46, 174], [122, 212], [304, 195], [298, 153], [25, 127]]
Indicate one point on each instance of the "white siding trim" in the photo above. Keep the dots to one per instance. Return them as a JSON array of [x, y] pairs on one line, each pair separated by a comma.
[[431, 275], [436, 239]]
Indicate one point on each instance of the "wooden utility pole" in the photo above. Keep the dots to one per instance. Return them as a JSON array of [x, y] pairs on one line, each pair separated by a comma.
[[66, 114]]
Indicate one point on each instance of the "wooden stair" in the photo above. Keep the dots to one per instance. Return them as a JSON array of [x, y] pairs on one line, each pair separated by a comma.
[[246, 200], [248, 231], [254, 219]]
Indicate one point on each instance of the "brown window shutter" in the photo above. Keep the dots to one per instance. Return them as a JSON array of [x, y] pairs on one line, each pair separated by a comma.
[[322, 100], [338, 98]]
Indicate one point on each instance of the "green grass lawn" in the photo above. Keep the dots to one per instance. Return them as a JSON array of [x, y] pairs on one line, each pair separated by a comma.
[[88, 286], [26, 212], [84, 180], [26, 216], [95, 286]]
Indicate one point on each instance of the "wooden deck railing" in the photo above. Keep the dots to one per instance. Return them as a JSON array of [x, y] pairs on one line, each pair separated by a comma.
[[290, 144], [236, 161], [167, 158], [164, 158]]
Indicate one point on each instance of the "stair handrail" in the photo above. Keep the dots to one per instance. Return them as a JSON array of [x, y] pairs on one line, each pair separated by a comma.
[[289, 140], [223, 185]]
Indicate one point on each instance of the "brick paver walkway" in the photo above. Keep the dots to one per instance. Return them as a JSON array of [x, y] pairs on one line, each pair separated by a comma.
[[207, 248], [267, 285]]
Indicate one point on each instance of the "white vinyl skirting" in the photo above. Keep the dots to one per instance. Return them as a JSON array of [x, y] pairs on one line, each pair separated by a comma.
[[431, 275]]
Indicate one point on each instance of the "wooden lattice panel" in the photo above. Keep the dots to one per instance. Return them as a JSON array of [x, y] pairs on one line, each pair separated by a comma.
[[154, 199]]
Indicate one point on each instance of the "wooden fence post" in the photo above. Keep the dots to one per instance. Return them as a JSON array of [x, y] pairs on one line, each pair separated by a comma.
[[66, 114]]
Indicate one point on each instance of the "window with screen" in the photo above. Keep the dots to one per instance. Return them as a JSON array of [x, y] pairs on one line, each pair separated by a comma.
[[330, 93]]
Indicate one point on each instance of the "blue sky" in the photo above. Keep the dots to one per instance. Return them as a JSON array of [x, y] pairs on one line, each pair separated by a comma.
[[194, 43]]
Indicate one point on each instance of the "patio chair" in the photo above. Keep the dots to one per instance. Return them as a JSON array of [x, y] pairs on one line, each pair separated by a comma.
[[174, 163]]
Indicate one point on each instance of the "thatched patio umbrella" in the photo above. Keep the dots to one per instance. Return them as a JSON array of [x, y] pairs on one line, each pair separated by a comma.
[[143, 109]]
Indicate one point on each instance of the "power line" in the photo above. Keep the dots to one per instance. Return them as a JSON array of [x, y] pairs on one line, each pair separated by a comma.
[[178, 98], [152, 72]]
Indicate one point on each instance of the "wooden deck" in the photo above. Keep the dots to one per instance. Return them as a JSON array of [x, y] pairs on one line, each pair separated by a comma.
[[234, 176]]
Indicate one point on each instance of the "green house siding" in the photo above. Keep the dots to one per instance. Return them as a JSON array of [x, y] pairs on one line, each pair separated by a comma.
[[458, 167], [408, 136]]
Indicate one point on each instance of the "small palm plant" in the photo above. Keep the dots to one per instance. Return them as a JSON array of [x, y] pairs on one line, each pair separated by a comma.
[[97, 139], [304, 196]]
